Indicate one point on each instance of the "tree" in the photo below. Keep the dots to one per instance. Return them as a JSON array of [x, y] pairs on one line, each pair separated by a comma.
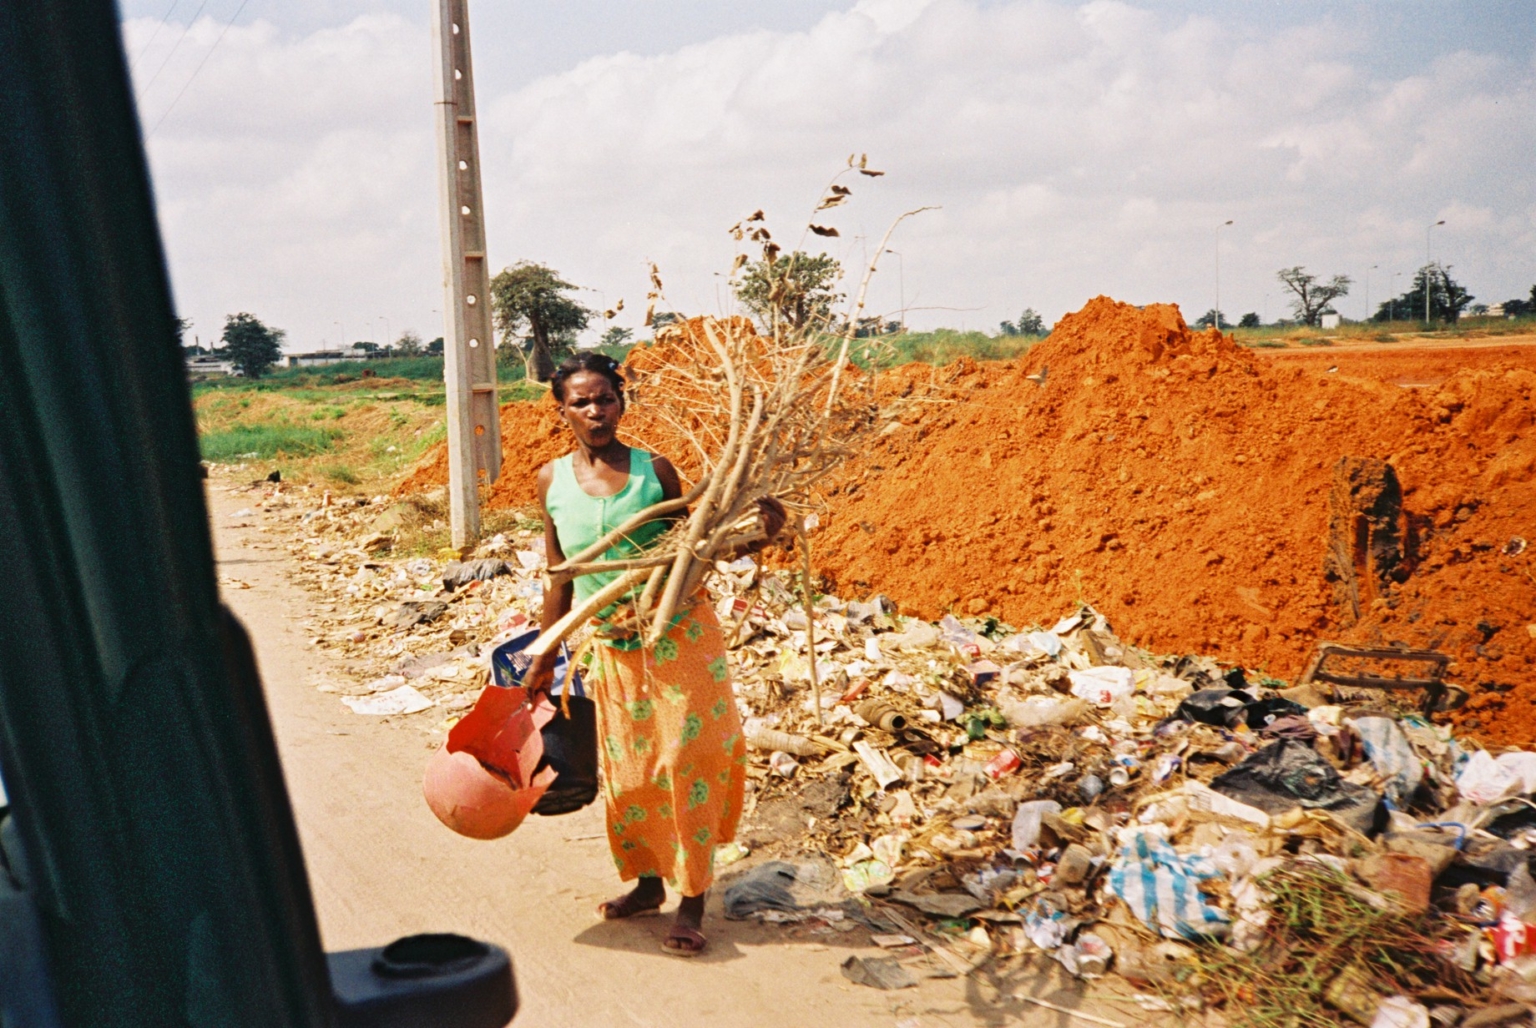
[[1029, 324], [1312, 296], [251, 346], [367, 349], [435, 347], [1249, 320], [409, 344], [1213, 317], [1447, 297], [529, 300], [797, 291], [615, 336], [183, 326]]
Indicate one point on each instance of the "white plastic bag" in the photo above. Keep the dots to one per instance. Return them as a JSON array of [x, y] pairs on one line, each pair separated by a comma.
[[1102, 686], [1484, 780], [1027, 821]]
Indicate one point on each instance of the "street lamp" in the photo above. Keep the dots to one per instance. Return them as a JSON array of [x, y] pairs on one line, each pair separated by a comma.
[[1368, 271], [1223, 225], [1427, 260], [901, 276]]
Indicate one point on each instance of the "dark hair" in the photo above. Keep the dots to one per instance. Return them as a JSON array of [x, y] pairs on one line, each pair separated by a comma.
[[588, 360]]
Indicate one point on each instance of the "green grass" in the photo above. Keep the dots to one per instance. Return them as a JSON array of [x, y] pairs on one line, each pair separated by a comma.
[[340, 473], [265, 440], [941, 346]]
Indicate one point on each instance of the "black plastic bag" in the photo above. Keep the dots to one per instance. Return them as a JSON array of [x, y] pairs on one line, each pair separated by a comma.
[[1222, 707], [570, 738], [1290, 773]]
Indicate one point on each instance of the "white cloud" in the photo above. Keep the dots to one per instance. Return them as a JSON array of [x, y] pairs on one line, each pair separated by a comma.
[[1074, 150]]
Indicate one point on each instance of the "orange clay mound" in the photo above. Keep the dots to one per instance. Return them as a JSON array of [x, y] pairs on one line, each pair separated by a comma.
[[1181, 485]]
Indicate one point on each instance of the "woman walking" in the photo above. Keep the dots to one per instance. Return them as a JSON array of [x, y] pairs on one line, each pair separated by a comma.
[[672, 753]]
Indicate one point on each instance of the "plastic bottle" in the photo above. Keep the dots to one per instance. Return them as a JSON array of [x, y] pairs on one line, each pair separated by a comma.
[[1027, 821], [770, 739]]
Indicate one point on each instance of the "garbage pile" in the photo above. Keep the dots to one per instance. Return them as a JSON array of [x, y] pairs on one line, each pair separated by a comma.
[[968, 791]]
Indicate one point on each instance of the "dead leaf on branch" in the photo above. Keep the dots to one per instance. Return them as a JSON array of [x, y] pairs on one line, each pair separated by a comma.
[[825, 230]]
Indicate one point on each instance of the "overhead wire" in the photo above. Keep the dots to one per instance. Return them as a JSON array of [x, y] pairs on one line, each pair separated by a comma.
[[174, 47], [154, 35], [198, 69]]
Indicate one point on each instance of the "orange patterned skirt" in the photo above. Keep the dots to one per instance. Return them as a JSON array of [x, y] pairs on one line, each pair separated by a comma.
[[673, 757]]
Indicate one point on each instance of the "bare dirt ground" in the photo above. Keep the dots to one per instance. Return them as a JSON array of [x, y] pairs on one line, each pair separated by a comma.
[[380, 867], [1405, 343]]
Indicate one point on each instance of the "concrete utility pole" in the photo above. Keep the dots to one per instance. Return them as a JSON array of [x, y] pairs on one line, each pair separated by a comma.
[[1428, 260], [469, 362]]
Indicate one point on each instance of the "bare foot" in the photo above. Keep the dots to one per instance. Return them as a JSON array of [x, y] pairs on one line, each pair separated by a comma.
[[644, 898]]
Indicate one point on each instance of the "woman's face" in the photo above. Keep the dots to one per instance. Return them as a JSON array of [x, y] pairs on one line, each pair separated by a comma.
[[592, 408]]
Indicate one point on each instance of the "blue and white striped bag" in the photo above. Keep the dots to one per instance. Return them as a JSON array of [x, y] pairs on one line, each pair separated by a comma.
[[1162, 888]]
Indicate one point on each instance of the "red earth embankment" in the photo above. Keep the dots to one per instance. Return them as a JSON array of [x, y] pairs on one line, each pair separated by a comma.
[[1181, 485]]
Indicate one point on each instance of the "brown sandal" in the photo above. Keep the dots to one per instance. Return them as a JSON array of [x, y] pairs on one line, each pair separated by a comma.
[[683, 941], [626, 906]]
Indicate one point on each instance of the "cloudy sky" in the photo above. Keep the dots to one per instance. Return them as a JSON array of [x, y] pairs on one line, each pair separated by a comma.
[[1073, 149]]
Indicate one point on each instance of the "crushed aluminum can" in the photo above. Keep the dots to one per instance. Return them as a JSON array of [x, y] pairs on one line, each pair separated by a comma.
[[1512, 938], [1005, 763]]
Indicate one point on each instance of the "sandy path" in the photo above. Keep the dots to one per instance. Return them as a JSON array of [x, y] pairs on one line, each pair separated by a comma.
[[381, 866]]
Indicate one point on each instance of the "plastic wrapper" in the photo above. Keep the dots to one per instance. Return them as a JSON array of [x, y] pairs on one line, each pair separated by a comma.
[[1162, 887]]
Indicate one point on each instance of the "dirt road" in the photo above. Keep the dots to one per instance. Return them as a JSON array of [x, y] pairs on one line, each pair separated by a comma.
[[381, 866]]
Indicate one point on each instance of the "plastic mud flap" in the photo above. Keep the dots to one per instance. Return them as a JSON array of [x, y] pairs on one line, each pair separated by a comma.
[[424, 981]]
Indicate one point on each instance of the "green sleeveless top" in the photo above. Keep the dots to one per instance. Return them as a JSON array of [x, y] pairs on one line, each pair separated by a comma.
[[582, 519]]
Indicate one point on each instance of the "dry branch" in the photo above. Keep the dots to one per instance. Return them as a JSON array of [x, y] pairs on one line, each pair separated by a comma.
[[767, 415]]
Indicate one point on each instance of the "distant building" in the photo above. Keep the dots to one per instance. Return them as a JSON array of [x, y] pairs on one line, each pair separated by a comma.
[[1495, 310], [1330, 321], [204, 365], [305, 360]]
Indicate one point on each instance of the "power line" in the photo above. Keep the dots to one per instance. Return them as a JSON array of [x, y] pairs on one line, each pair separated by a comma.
[[198, 69], [187, 28], [154, 35]]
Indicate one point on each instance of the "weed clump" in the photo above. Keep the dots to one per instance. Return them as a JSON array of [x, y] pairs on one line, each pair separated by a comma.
[[1320, 944]]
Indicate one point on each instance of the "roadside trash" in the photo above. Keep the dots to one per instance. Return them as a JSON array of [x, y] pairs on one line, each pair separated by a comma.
[[1400, 1012], [1402, 876], [1389, 752], [729, 854], [1028, 820], [940, 904], [403, 699], [783, 764], [1006, 762], [878, 973], [1162, 887], [1073, 866], [970, 790], [769, 741], [1102, 686], [1351, 994], [1484, 780], [1087, 957], [457, 575], [414, 612], [1290, 773], [793, 887], [1223, 707]]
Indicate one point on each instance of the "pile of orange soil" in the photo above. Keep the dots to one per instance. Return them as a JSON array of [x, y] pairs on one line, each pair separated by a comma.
[[1181, 485]]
